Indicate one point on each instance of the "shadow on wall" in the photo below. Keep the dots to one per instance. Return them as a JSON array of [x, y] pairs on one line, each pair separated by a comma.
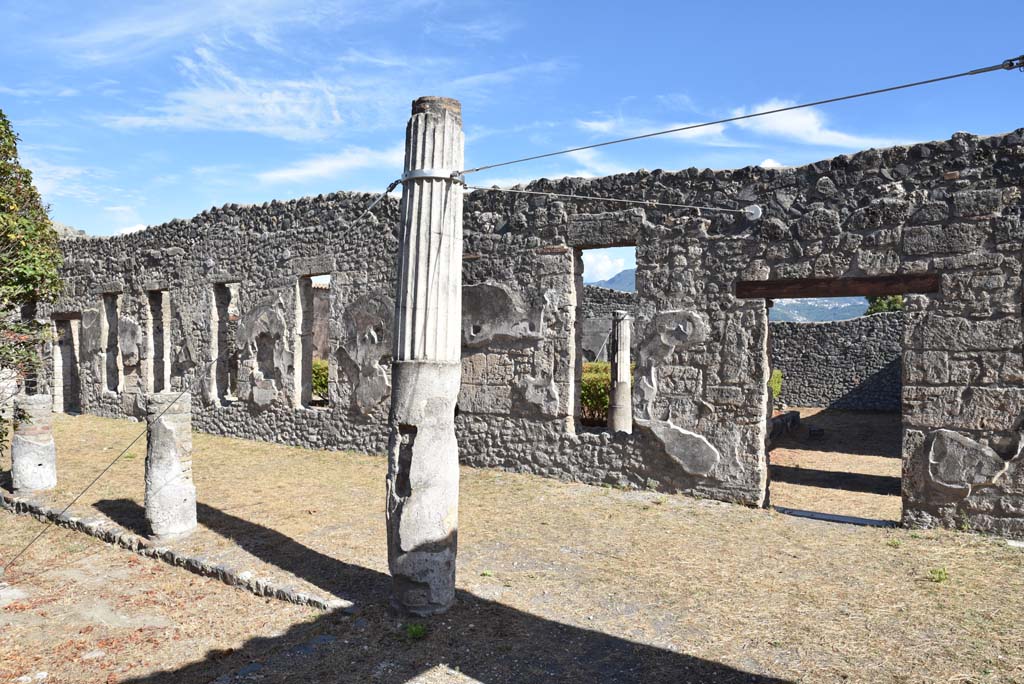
[[482, 639], [865, 433], [880, 391]]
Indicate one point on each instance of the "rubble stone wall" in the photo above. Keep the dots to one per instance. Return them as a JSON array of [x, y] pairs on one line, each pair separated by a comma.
[[852, 364], [700, 390], [599, 303]]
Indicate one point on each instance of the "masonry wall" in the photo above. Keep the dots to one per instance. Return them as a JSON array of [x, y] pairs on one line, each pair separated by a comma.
[[700, 393], [853, 364], [598, 305]]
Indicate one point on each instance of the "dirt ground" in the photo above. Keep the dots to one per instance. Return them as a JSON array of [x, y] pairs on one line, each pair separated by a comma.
[[853, 469], [557, 582]]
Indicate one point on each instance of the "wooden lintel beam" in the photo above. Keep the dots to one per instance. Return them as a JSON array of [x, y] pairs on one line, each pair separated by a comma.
[[870, 286]]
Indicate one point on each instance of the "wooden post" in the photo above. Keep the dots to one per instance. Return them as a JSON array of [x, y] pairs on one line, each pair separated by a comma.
[[423, 458]]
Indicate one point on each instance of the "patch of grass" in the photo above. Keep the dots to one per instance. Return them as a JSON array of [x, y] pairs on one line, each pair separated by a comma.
[[487, 573], [775, 383], [894, 543], [416, 630], [938, 575]]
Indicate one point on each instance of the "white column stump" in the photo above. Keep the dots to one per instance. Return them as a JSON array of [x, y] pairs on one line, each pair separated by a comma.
[[423, 458], [33, 452], [620, 405], [170, 493]]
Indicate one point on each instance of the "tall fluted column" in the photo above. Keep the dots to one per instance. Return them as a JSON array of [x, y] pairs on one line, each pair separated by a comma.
[[620, 406], [423, 456], [33, 452], [170, 493]]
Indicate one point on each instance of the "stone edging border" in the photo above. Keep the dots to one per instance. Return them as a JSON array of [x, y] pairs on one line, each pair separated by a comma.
[[112, 533]]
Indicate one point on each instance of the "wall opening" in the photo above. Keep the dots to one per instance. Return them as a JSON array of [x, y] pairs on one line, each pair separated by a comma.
[[158, 330], [111, 366], [67, 388], [839, 371], [312, 363], [605, 284], [225, 313]]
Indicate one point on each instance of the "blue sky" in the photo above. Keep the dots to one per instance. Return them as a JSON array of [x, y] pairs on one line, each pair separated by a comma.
[[137, 113]]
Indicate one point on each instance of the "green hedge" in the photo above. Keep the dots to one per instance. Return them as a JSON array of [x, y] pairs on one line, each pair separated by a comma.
[[775, 384], [595, 389], [320, 378]]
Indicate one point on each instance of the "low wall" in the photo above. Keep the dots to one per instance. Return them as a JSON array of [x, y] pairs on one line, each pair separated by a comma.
[[852, 364]]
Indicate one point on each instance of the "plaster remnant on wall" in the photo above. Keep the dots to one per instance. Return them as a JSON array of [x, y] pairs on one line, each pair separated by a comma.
[[491, 312], [692, 452], [365, 349], [667, 331], [264, 359], [540, 392], [958, 466]]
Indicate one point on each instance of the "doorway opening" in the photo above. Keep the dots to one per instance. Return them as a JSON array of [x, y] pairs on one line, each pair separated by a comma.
[[835, 426], [606, 306], [67, 388], [313, 313], [224, 317], [158, 330]]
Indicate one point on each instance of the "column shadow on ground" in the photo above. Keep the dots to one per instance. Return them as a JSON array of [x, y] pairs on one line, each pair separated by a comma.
[[832, 479], [483, 639]]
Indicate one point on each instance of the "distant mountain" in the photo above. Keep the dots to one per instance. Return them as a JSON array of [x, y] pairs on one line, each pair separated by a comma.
[[796, 310], [821, 309], [624, 281]]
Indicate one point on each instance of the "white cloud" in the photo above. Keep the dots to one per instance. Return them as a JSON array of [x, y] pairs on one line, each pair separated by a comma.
[[627, 127], [502, 76], [61, 180], [593, 164], [126, 217], [220, 99], [770, 163], [331, 165], [146, 27], [806, 126], [55, 91], [597, 265]]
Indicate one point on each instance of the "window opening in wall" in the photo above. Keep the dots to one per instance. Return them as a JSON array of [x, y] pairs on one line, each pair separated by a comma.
[[67, 388], [111, 367], [313, 364], [158, 329], [606, 303], [224, 316], [835, 423]]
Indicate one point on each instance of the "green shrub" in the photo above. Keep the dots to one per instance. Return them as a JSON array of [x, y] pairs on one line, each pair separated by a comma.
[[29, 258], [775, 383], [320, 378], [884, 303], [595, 390]]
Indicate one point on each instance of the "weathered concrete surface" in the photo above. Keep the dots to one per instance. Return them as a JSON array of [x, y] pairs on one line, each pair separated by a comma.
[[170, 493], [33, 452], [423, 455]]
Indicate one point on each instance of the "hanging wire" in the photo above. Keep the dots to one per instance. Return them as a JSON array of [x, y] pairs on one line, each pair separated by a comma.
[[391, 187], [1007, 65], [49, 523]]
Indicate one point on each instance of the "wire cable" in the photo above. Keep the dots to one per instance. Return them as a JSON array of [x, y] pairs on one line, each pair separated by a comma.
[[49, 523], [1007, 65]]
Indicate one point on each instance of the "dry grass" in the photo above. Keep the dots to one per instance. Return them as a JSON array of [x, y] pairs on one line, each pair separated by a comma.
[[566, 582]]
